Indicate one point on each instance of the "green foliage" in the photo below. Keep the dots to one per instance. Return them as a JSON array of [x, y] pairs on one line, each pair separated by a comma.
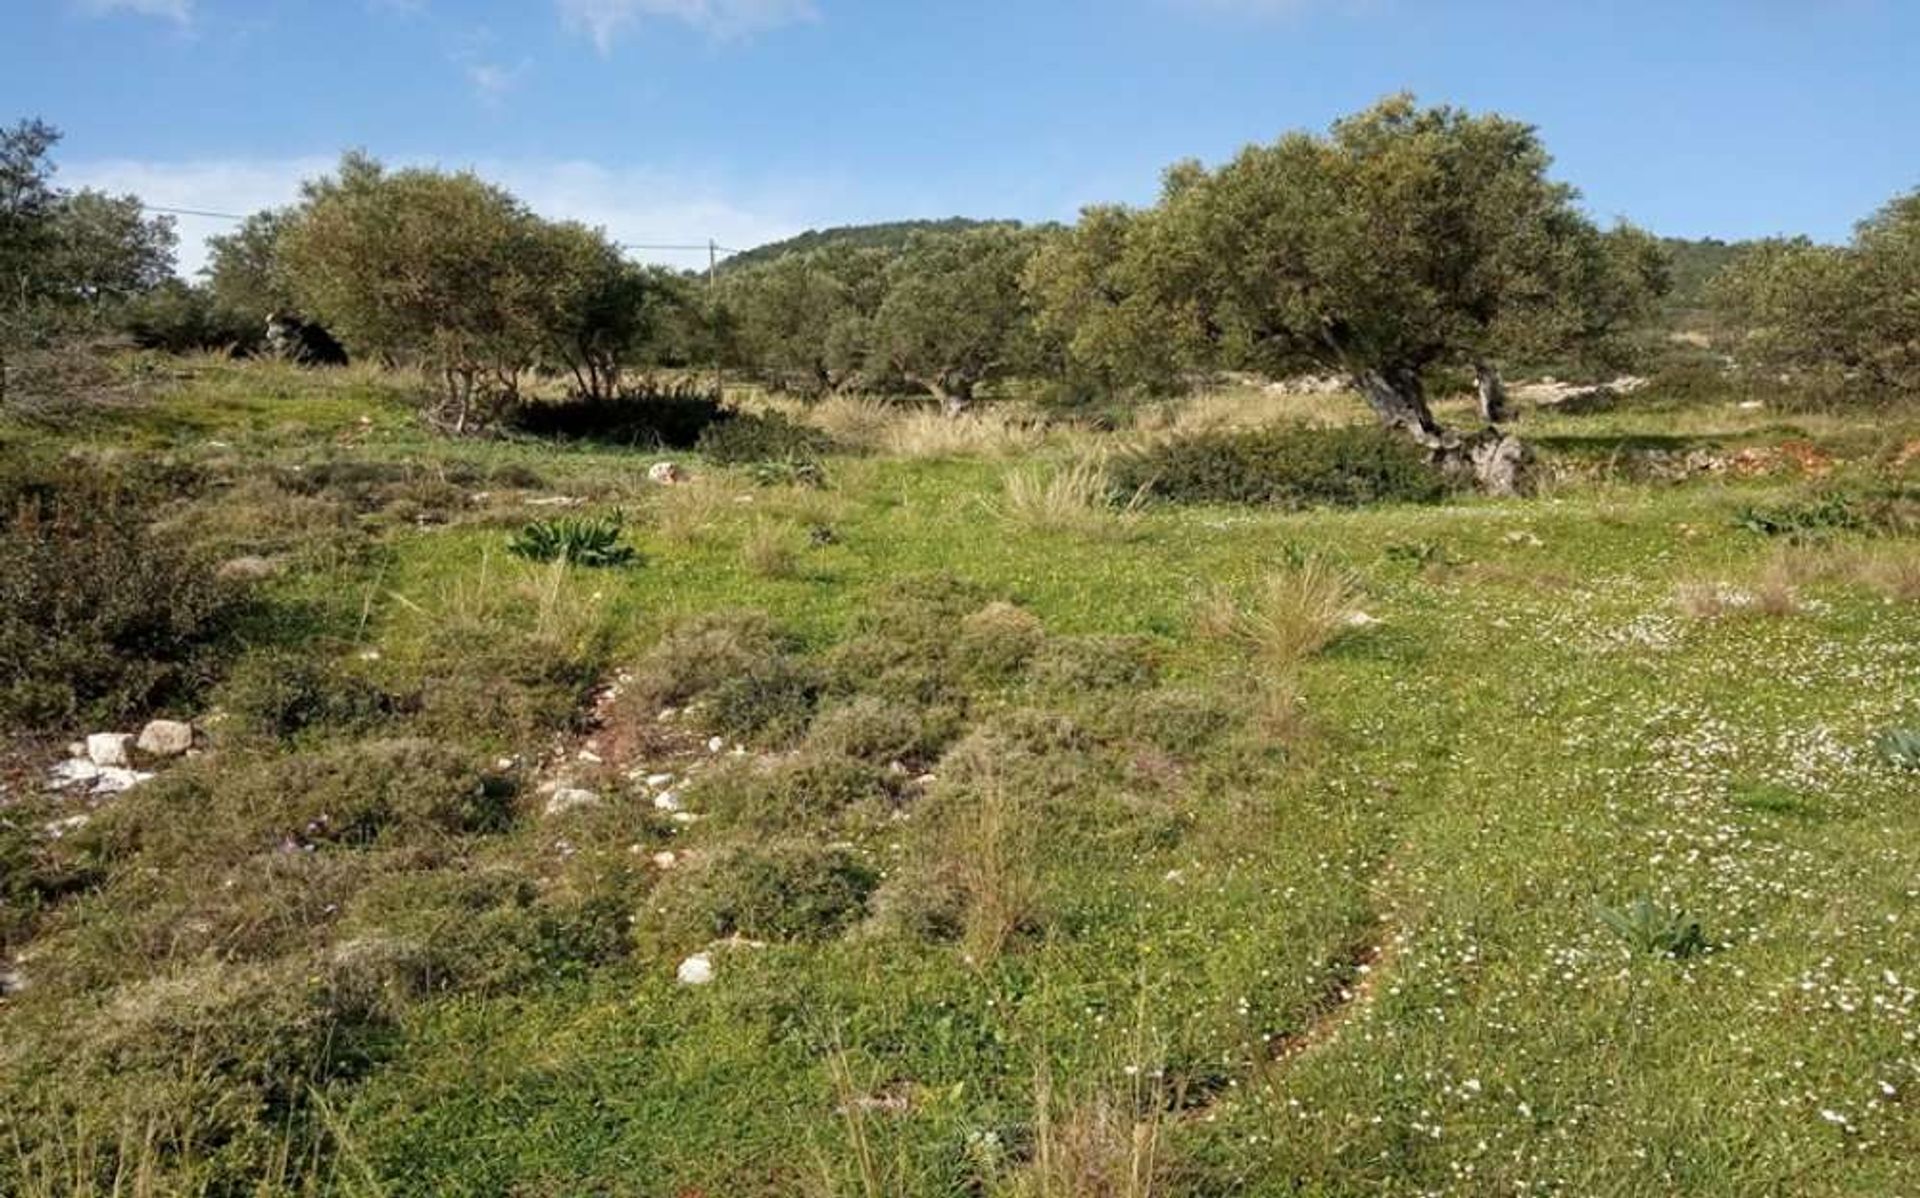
[[768, 702], [100, 617], [1650, 928], [576, 540], [1845, 313], [702, 652], [777, 890], [1900, 748], [1829, 512], [803, 321], [750, 439], [1405, 239], [954, 315], [176, 318], [1293, 467], [281, 694]]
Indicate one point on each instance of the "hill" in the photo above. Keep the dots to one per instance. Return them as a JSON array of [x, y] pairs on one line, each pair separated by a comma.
[[885, 235]]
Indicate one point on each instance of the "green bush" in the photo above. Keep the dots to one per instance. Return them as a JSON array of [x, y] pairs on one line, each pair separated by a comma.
[[770, 701], [100, 618], [279, 694], [780, 890], [1091, 663], [802, 793], [701, 652], [748, 439], [1292, 467]]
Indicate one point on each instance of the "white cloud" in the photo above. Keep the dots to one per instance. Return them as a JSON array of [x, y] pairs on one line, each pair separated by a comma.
[[178, 11], [634, 204], [492, 81], [605, 20]]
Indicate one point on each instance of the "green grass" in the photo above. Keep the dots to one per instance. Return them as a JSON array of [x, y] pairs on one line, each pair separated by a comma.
[[1359, 958]]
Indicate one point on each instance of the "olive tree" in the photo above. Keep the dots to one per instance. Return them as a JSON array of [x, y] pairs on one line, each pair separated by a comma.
[[1848, 312], [954, 315], [1403, 240], [67, 258], [444, 269], [804, 321]]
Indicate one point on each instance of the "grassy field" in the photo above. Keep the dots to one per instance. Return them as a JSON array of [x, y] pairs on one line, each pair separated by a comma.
[[1036, 846]]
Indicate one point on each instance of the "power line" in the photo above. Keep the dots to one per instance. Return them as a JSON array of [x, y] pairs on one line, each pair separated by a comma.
[[703, 247]]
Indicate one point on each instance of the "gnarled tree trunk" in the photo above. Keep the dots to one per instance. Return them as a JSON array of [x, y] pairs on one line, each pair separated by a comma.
[[1399, 398], [1497, 464], [1492, 391]]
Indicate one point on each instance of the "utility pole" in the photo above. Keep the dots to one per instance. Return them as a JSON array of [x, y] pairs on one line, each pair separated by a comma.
[[713, 314]]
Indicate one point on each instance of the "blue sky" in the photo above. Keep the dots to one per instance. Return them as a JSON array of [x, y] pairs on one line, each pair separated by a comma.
[[747, 120]]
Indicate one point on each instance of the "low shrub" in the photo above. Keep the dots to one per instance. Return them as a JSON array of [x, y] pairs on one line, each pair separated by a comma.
[[996, 642], [100, 617], [751, 438], [802, 793], [1294, 613], [1289, 466], [778, 890], [878, 731], [646, 414], [701, 652], [769, 702], [1900, 748], [280, 694], [1091, 663]]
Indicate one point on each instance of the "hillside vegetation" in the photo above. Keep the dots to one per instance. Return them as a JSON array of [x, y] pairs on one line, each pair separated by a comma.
[[1168, 707]]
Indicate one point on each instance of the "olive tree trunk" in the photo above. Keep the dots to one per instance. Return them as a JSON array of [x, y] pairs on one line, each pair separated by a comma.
[[1496, 463], [1492, 391]]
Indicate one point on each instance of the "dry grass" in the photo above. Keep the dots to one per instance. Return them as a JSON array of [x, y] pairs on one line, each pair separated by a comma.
[[689, 513], [981, 434], [1294, 613], [769, 551], [993, 855], [856, 420], [1075, 498], [1708, 600], [1893, 571]]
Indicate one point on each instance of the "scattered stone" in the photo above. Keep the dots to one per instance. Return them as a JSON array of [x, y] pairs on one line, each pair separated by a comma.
[[570, 798], [77, 748], [165, 738], [589, 756], [667, 474], [61, 827], [1360, 619], [665, 859], [1750, 405], [656, 781], [696, 970], [715, 744], [108, 748], [115, 779], [12, 981], [1520, 536], [556, 501], [666, 800], [72, 771], [684, 817], [248, 568]]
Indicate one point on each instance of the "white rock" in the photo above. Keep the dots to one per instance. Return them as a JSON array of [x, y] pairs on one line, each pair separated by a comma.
[[165, 738], [715, 744], [684, 817], [71, 771], [77, 748], [666, 474], [61, 827], [656, 781], [108, 748], [589, 756], [696, 970], [570, 798], [666, 800], [665, 860], [1360, 619], [113, 779]]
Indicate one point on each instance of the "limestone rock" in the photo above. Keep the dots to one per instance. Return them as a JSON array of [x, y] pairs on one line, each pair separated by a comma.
[[696, 970], [165, 738], [570, 798], [108, 748]]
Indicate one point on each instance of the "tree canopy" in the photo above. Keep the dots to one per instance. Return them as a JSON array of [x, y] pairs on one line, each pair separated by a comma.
[[1850, 314]]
